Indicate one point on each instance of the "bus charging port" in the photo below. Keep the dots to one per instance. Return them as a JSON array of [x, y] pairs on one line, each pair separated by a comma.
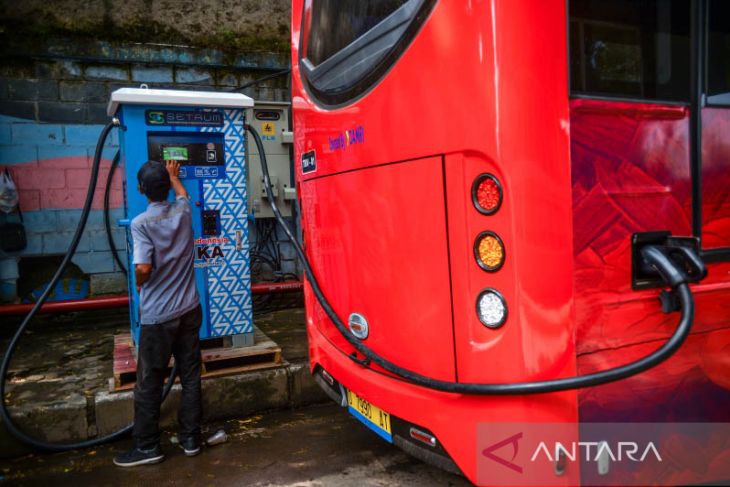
[[684, 252]]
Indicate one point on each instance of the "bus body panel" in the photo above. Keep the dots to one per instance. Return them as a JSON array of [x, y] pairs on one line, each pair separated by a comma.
[[522, 125], [452, 418], [715, 178], [372, 264], [631, 173], [537, 342], [692, 386], [483, 88], [403, 116], [501, 118]]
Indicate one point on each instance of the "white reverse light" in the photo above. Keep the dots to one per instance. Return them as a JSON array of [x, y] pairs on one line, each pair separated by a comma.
[[491, 308]]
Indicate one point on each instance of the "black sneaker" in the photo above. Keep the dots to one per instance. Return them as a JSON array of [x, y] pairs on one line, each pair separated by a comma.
[[135, 457], [191, 446]]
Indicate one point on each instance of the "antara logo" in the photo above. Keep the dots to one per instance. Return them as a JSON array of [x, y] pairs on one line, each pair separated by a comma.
[[602, 449], [590, 451], [489, 452]]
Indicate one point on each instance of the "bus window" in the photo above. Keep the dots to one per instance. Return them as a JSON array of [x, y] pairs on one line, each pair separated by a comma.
[[718, 53], [630, 49], [336, 24], [351, 44]]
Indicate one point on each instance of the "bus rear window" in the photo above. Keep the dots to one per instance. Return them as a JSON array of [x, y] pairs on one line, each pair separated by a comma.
[[336, 23], [630, 49], [718, 55], [351, 44]]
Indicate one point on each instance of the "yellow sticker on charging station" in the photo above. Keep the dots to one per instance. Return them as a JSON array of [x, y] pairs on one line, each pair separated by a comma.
[[268, 128]]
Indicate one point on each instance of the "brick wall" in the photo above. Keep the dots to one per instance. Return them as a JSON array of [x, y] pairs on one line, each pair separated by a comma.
[[53, 99], [50, 164]]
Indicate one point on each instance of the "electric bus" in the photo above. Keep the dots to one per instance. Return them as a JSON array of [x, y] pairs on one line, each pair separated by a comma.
[[478, 182]]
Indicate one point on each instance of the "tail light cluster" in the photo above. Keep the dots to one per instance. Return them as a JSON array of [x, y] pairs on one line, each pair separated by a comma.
[[486, 194]]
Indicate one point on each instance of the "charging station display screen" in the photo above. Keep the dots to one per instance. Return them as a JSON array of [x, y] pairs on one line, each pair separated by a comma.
[[201, 154], [174, 153]]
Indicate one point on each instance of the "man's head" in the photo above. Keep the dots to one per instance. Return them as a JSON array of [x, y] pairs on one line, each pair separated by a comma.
[[154, 181]]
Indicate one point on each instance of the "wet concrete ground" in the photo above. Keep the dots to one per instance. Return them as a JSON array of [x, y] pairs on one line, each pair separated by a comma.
[[63, 355], [69, 356], [73, 351], [316, 446]]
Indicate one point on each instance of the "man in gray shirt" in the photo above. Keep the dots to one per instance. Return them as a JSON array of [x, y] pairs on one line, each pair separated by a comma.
[[170, 313]]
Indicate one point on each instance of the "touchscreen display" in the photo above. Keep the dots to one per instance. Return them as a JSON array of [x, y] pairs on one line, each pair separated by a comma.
[[174, 153], [188, 148]]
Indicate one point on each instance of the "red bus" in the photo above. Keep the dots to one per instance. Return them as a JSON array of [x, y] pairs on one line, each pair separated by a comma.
[[477, 180]]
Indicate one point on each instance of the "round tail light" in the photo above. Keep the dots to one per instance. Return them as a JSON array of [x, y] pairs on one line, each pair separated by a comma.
[[489, 251], [486, 194], [491, 308]]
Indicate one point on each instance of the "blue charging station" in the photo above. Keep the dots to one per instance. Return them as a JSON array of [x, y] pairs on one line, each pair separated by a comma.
[[205, 132]]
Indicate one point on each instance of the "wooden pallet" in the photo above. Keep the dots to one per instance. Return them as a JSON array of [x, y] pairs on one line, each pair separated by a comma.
[[217, 361]]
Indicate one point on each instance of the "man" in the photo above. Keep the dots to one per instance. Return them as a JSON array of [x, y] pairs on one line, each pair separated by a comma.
[[170, 313]]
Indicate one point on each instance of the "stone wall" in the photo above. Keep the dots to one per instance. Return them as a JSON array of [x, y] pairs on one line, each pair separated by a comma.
[[59, 62], [227, 25]]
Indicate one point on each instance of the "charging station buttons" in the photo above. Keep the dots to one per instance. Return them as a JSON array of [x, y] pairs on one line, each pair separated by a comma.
[[206, 172], [211, 223]]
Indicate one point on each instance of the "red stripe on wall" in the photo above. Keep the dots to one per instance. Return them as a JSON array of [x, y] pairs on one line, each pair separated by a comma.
[[61, 183]]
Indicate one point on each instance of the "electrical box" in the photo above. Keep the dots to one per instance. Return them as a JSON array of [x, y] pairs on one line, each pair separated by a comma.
[[205, 132], [271, 120]]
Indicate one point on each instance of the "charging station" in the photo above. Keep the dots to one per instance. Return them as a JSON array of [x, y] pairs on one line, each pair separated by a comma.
[[272, 120], [205, 132]]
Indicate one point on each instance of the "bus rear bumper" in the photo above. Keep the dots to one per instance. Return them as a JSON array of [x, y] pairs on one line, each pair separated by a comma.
[[409, 437], [453, 419]]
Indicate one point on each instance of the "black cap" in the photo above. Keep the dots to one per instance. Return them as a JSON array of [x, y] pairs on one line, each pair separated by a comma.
[[154, 180]]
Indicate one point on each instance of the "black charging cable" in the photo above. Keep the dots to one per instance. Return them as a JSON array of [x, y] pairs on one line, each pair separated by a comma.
[[107, 223], [4, 413], [256, 81], [659, 258]]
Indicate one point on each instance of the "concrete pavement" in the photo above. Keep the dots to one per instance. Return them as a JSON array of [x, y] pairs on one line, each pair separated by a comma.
[[59, 378], [310, 447]]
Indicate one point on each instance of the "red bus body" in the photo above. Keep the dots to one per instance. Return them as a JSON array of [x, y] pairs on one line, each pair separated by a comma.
[[389, 226]]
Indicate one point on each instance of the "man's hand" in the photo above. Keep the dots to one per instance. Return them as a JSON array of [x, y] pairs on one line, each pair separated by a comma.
[[173, 169], [142, 274]]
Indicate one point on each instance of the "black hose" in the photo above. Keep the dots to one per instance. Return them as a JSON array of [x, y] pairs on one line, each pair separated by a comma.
[[4, 413], [261, 79], [107, 224], [664, 266]]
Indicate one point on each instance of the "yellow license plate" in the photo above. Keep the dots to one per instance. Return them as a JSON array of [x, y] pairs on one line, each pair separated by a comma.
[[371, 416]]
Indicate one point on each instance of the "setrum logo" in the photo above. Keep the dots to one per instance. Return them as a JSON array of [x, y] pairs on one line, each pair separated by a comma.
[[490, 452], [156, 118]]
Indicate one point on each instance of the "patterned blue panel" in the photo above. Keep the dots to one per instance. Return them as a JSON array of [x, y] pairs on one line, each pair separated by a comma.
[[229, 285]]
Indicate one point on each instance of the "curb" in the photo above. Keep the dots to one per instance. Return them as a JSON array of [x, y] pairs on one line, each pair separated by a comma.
[[78, 418]]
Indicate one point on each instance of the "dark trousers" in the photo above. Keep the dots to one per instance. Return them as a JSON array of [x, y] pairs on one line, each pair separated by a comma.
[[157, 342]]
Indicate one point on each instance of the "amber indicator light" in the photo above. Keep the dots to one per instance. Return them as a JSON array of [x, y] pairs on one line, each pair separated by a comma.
[[489, 251]]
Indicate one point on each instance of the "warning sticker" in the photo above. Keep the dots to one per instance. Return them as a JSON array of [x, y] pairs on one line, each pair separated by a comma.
[[268, 128]]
